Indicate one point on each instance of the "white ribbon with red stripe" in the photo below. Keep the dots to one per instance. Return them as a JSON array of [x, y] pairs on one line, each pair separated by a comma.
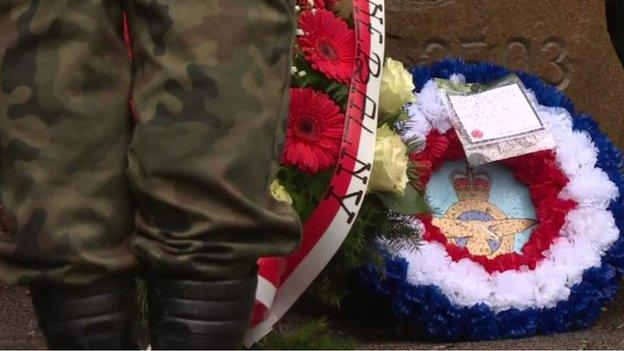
[[282, 280]]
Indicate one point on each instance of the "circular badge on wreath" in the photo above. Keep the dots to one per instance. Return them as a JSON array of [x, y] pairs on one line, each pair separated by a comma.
[[524, 246]]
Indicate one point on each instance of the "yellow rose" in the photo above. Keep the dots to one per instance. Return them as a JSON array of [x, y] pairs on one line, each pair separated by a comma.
[[390, 166], [396, 88], [280, 193]]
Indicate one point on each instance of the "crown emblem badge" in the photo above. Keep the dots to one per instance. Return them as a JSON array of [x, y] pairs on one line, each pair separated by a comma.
[[474, 222], [471, 185]]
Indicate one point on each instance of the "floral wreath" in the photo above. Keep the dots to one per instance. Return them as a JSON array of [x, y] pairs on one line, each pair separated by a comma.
[[538, 171], [574, 259], [341, 136]]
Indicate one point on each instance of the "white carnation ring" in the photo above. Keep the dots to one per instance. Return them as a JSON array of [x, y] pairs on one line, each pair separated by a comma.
[[447, 298]]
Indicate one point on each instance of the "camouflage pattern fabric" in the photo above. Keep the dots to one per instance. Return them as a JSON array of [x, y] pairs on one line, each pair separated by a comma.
[[88, 192]]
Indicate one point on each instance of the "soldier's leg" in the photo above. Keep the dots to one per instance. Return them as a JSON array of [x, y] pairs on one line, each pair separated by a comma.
[[211, 100], [66, 216]]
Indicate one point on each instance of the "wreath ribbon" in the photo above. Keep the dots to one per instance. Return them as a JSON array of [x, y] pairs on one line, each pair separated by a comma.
[[283, 280]]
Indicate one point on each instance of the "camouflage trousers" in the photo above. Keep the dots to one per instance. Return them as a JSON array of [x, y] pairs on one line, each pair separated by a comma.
[[176, 182]]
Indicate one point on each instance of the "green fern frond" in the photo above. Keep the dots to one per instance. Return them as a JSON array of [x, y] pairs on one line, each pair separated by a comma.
[[313, 336]]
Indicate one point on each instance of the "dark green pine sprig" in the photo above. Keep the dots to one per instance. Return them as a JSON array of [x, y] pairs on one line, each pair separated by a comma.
[[374, 223], [315, 335]]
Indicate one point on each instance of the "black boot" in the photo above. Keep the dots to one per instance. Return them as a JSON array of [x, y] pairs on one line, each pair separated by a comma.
[[98, 316], [187, 314]]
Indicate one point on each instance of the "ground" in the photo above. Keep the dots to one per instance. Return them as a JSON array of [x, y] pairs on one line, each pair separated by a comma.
[[18, 326], [18, 330]]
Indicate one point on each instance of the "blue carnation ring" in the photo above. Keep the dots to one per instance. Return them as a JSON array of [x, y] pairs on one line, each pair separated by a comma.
[[450, 300]]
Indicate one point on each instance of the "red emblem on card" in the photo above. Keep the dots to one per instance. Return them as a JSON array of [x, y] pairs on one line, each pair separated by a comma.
[[477, 134]]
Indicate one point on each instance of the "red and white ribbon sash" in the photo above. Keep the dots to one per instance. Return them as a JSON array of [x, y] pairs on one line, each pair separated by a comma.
[[282, 280]]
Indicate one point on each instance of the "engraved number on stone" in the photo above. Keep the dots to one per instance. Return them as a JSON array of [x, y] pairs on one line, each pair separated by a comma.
[[471, 48], [435, 49], [557, 50], [518, 53]]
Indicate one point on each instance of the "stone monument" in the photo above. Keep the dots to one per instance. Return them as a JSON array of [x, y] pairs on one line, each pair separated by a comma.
[[566, 42]]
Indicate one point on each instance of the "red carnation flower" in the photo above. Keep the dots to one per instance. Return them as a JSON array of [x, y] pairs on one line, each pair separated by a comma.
[[315, 127], [435, 150], [328, 44], [424, 169], [455, 149]]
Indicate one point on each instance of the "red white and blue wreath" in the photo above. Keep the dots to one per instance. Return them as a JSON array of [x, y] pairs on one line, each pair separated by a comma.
[[551, 268]]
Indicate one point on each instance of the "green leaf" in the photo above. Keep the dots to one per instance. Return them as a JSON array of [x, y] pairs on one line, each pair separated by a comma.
[[392, 120], [339, 92], [311, 79], [317, 81], [307, 190], [409, 204], [316, 335]]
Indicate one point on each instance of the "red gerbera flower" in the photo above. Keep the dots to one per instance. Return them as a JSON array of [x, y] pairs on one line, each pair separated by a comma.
[[315, 127], [328, 44]]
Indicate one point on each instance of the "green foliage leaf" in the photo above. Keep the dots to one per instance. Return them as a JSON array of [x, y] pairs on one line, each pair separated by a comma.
[[409, 204], [397, 119], [311, 79], [313, 336], [339, 92], [374, 222], [317, 81], [306, 190]]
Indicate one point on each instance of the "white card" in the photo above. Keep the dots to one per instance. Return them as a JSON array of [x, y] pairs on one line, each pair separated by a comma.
[[494, 114], [496, 121]]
